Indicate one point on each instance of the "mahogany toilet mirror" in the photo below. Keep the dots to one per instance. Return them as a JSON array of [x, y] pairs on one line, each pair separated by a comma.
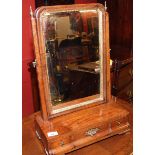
[[71, 56], [73, 68]]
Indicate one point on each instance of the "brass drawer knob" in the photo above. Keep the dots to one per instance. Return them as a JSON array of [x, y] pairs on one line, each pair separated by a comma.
[[92, 132]]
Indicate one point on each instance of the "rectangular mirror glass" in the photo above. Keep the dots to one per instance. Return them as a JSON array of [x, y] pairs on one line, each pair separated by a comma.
[[74, 56]]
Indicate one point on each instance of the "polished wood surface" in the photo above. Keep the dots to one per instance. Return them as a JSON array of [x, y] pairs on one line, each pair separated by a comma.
[[86, 125], [116, 145], [109, 119]]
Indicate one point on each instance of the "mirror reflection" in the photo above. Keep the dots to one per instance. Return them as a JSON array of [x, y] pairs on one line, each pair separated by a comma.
[[72, 52]]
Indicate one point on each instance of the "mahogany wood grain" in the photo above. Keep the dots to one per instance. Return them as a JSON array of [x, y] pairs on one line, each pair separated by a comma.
[[109, 118], [108, 84]]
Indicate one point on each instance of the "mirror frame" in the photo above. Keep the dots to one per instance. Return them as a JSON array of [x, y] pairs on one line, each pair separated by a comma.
[[47, 109]]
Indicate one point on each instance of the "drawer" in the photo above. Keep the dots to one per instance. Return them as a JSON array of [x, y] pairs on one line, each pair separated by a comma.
[[75, 134], [105, 128], [61, 141]]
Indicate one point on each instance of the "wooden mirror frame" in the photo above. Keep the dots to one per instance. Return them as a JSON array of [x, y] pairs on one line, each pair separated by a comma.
[[47, 109]]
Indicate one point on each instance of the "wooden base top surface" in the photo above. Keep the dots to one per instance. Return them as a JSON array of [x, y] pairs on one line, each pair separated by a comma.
[[71, 121]]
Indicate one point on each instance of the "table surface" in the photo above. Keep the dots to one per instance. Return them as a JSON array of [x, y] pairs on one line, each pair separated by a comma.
[[116, 145]]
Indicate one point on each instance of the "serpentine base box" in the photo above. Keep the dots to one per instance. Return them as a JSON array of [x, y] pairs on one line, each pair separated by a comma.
[[72, 131]]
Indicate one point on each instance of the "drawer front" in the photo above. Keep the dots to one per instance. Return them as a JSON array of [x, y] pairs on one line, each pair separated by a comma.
[[105, 128], [125, 76], [79, 134], [61, 141], [91, 131]]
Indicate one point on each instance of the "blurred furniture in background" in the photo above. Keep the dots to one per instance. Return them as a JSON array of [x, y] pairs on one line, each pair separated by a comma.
[[121, 75], [122, 72]]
